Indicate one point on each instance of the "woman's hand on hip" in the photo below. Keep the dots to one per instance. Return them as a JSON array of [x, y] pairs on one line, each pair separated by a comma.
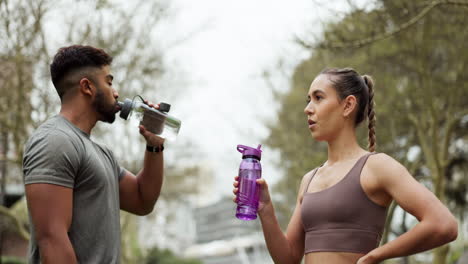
[[367, 259]]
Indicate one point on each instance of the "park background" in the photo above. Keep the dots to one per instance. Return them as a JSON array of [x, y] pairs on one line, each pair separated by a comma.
[[237, 72]]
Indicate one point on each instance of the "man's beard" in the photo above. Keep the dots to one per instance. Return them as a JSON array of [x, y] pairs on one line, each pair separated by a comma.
[[106, 111]]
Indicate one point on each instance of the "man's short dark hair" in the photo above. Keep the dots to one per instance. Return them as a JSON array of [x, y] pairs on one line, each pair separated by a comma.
[[74, 58]]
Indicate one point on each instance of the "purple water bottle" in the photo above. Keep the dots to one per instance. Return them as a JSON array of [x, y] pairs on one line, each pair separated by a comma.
[[249, 193]]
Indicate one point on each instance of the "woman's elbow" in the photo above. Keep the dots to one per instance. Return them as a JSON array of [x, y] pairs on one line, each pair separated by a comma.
[[447, 230], [297, 256], [452, 232]]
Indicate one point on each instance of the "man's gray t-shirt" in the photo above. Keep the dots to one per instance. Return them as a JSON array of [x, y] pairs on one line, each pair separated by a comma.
[[59, 153]]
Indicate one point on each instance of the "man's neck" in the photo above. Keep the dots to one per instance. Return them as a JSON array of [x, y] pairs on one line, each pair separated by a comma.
[[81, 117]]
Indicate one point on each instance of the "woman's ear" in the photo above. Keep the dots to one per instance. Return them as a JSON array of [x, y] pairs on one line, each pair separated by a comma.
[[349, 104]]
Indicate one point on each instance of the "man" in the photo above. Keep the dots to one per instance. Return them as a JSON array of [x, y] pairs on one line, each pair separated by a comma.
[[74, 186]]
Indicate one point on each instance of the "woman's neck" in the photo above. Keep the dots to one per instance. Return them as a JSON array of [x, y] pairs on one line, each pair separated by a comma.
[[344, 147]]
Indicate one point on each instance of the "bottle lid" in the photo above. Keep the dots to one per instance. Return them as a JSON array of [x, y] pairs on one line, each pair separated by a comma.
[[164, 107], [249, 151], [125, 108]]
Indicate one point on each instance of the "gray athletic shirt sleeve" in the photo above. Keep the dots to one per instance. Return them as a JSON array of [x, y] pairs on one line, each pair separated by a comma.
[[52, 159]]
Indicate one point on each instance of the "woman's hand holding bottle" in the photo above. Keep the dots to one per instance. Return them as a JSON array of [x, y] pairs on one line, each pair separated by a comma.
[[264, 200]]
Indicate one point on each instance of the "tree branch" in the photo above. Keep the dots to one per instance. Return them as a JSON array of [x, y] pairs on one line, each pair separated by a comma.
[[412, 21]]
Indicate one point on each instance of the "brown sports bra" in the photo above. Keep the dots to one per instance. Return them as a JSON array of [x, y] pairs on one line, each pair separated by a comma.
[[342, 218]]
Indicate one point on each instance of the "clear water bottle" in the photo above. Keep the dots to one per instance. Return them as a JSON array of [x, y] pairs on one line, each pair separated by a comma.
[[249, 192], [156, 121]]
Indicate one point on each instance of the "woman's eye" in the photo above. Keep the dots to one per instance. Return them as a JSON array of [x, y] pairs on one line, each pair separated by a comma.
[[318, 97]]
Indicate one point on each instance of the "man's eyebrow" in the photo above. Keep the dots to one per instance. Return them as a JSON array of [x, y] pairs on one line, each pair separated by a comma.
[[110, 77]]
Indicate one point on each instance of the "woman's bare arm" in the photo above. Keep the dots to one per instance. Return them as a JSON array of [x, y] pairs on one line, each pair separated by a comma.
[[436, 227]]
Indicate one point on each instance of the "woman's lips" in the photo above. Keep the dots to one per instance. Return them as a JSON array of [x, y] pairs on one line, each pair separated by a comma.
[[311, 123]]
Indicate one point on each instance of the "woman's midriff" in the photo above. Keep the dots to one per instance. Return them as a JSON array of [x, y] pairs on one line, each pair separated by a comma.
[[332, 257]]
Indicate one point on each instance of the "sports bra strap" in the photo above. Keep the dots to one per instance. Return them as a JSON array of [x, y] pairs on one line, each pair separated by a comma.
[[311, 177], [362, 161]]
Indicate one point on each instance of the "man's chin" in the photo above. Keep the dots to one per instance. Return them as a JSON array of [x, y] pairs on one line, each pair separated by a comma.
[[108, 119]]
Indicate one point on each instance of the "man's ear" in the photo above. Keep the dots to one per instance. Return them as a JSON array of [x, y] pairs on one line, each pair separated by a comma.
[[86, 87], [349, 104]]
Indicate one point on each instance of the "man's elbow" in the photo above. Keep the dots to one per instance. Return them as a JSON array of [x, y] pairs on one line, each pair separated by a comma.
[[55, 247], [145, 210], [47, 237], [48, 240]]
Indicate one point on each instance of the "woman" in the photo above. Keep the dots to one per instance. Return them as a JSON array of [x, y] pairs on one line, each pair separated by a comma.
[[341, 206]]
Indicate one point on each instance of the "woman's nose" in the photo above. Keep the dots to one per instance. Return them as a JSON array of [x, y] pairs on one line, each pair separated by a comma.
[[308, 109]]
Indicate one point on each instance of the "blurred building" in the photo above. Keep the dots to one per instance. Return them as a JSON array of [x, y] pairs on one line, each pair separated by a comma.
[[221, 238]]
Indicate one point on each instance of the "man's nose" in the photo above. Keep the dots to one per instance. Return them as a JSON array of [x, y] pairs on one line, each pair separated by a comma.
[[116, 94]]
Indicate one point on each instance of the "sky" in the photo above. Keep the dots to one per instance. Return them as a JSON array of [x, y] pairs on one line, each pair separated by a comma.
[[228, 102]]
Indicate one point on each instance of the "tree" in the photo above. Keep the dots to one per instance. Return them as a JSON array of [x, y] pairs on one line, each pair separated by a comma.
[[126, 30], [420, 88], [20, 49]]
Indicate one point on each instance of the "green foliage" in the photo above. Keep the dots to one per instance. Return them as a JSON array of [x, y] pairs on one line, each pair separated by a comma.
[[131, 251], [165, 256], [11, 260]]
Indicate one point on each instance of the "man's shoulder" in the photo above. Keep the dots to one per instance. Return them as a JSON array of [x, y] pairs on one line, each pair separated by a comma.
[[55, 131]]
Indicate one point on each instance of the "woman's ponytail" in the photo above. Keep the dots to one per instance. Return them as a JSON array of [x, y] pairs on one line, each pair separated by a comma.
[[370, 113]]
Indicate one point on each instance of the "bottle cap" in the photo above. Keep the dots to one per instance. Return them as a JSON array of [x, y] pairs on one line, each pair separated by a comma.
[[125, 108], [249, 151], [164, 107]]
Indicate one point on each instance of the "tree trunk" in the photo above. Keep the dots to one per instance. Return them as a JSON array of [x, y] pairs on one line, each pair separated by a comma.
[[435, 150], [404, 229], [388, 222], [3, 169], [440, 254]]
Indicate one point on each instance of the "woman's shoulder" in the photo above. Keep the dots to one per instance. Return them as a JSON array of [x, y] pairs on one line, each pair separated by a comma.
[[382, 164], [380, 159]]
